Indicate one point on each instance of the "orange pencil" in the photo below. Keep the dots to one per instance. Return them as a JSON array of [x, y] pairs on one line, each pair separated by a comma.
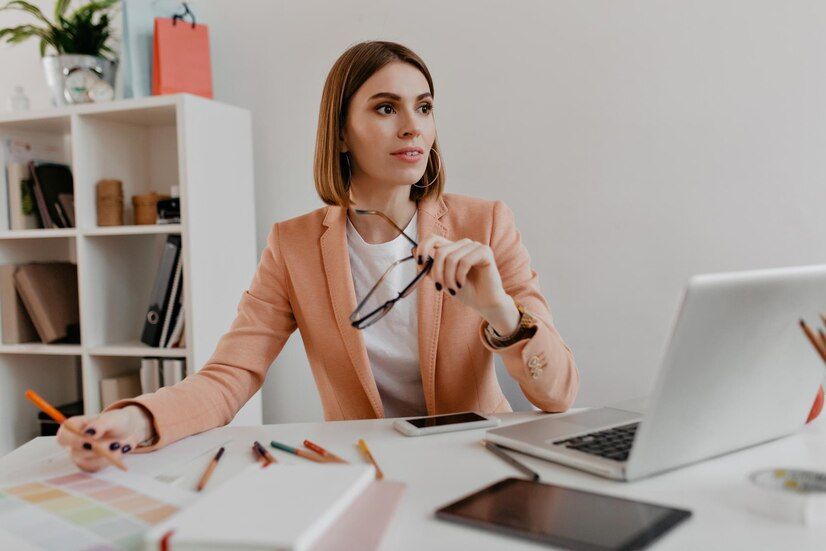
[[209, 469], [366, 451], [321, 451], [821, 349], [52, 412]]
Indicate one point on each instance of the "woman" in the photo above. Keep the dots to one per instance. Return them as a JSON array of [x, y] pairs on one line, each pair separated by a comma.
[[387, 333]]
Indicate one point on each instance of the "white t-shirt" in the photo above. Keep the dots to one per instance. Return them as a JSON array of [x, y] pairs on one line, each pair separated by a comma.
[[392, 342]]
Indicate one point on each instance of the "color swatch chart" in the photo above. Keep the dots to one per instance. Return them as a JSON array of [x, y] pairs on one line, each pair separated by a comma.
[[85, 512]]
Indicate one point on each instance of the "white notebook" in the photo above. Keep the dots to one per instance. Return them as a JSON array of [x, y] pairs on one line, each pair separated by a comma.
[[276, 507]]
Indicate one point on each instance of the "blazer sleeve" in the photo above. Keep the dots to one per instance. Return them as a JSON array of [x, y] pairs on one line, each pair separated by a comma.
[[543, 365], [212, 396]]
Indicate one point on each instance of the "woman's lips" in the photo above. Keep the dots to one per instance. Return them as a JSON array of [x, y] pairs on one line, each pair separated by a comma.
[[412, 157]]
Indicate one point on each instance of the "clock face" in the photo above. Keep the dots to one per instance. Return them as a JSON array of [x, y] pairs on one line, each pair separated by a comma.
[[101, 91], [77, 85]]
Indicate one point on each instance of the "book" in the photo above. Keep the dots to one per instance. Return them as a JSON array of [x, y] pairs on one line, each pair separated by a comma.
[[161, 291], [113, 389], [51, 181], [21, 203], [283, 506], [364, 525], [150, 375], [21, 148], [173, 371], [49, 292], [17, 326]]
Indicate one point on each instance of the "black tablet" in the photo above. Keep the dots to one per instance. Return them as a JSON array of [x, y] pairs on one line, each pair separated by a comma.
[[564, 517]]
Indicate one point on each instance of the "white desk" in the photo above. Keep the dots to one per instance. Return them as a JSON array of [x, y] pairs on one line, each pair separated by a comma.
[[441, 468]]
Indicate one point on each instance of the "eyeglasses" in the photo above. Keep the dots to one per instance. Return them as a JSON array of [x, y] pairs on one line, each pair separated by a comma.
[[371, 308]]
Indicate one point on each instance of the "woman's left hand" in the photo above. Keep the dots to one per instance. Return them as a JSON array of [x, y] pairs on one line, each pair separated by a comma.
[[467, 271]]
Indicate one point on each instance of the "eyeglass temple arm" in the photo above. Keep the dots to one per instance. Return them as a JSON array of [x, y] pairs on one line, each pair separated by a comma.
[[389, 221]]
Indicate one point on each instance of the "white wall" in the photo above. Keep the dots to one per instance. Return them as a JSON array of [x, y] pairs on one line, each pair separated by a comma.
[[638, 142]]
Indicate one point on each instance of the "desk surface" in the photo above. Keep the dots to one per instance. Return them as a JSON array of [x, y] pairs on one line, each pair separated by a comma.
[[441, 468]]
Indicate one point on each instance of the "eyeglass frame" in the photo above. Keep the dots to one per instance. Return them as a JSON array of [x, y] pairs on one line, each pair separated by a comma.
[[358, 322]]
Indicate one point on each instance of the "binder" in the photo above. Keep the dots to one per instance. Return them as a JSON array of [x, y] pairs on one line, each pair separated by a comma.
[[173, 371], [161, 292], [169, 315], [150, 375]]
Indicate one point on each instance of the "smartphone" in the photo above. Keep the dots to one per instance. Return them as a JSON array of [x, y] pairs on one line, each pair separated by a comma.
[[422, 426]]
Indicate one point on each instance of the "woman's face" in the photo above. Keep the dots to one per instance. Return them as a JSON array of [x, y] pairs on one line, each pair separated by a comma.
[[391, 112]]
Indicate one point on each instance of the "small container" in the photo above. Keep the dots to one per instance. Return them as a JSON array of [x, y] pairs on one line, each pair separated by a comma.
[[169, 210], [146, 207], [110, 203]]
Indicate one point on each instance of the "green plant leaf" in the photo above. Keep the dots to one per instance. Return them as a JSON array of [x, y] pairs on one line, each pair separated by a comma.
[[27, 7], [60, 8]]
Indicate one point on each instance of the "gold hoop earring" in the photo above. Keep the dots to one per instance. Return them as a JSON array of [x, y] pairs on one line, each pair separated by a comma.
[[439, 158]]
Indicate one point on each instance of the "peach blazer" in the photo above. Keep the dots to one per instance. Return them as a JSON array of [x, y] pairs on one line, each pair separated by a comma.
[[303, 281]]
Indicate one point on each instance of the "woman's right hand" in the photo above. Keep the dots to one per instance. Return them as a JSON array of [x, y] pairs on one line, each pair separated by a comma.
[[119, 430]]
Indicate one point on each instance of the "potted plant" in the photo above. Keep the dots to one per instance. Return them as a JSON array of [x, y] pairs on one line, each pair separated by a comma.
[[77, 59]]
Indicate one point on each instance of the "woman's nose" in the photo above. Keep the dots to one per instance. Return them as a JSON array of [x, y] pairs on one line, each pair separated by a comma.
[[410, 126]]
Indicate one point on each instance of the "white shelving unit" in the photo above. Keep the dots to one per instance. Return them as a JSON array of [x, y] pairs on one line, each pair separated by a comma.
[[203, 147]]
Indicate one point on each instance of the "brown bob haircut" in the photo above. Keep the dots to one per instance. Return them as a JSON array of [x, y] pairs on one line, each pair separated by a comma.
[[330, 169]]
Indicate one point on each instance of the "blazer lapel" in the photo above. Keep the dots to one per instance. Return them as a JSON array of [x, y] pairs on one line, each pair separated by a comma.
[[429, 302], [334, 253]]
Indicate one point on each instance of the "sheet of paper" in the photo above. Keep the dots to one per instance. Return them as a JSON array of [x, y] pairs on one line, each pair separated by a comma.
[[89, 512]]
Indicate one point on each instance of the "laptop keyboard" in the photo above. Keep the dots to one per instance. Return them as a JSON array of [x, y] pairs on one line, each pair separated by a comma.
[[612, 443]]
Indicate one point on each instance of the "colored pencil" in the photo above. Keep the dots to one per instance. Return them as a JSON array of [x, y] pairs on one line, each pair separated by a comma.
[[262, 451], [366, 451], [300, 453], [497, 450], [321, 451], [821, 349], [209, 469], [59, 418]]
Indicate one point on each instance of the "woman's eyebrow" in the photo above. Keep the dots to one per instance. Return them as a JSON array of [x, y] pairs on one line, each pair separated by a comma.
[[397, 97]]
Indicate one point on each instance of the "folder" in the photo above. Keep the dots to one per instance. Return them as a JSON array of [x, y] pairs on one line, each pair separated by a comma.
[[17, 325], [49, 292]]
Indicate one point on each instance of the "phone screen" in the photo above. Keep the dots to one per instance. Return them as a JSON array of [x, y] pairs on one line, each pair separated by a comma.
[[442, 420]]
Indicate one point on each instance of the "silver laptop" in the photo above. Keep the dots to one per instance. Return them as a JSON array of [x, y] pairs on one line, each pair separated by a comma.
[[738, 371]]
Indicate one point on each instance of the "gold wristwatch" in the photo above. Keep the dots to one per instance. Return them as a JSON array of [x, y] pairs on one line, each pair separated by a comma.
[[525, 330]]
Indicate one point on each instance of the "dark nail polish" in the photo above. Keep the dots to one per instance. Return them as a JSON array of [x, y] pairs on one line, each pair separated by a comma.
[[87, 446], [114, 445], [420, 260], [126, 449], [459, 285], [90, 431], [438, 286], [452, 292]]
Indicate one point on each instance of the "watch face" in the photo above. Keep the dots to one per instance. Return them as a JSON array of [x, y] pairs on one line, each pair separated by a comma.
[[77, 84]]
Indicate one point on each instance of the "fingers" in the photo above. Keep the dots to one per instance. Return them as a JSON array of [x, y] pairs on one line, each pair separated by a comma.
[[440, 254], [451, 262], [427, 246], [111, 424], [108, 431], [480, 255]]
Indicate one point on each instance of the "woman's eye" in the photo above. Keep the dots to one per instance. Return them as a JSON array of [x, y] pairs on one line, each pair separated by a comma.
[[385, 106], [427, 108]]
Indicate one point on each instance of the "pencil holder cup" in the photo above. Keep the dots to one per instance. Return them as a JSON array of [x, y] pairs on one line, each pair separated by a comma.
[[146, 207], [110, 203]]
